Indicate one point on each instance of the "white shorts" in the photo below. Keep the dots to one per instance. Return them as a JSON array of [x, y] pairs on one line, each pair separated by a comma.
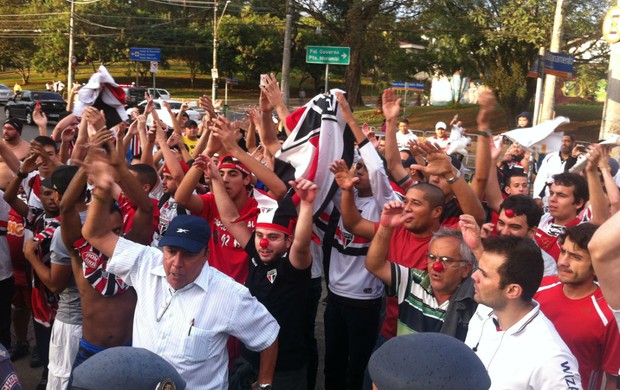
[[64, 345]]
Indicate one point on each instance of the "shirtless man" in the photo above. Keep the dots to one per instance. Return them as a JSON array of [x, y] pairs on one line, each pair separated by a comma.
[[12, 138], [108, 302]]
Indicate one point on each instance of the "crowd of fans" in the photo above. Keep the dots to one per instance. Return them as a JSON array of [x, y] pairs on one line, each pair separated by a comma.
[[206, 244]]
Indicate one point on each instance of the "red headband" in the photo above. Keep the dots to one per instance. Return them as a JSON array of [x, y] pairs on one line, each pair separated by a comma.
[[230, 162]]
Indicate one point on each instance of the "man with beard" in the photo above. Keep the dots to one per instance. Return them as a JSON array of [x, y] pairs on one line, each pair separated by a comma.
[[11, 142], [279, 269], [593, 338]]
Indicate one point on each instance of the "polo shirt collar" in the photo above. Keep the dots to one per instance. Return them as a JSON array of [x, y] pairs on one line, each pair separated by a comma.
[[520, 326]]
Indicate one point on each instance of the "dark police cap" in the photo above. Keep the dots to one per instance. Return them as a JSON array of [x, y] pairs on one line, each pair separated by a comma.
[[126, 368], [428, 361]]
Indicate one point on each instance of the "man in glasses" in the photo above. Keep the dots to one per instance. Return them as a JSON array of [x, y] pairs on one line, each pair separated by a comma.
[[437, 299]]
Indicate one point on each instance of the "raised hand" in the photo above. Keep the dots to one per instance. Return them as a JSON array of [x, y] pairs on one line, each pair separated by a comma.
[[223, 131], [438, 162], [67, 134], [594, 158], [30, 163], [344, 176], [391, 105], [271, 89], [95, 118], [39, 117], [345, 108], [471, 232], [305, 189], [394, 214], [205, 102], [487, 101]]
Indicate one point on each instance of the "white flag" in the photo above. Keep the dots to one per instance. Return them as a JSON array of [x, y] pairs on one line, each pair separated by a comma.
[[540, 138]]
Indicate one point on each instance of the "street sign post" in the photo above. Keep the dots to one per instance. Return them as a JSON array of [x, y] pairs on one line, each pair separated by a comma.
[[154, 69], [559, 64], [144, 54], [414, 86], [335, 55]]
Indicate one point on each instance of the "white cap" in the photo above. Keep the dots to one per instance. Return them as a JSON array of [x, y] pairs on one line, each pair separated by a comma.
[[440, 125]]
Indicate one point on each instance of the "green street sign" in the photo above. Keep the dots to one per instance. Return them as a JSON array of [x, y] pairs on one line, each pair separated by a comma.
[[334, 55]]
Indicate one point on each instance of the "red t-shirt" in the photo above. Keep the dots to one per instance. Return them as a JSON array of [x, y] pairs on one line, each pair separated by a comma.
[[128, 210], [587, 326], [225, 253], [409, 251], [548, 234]]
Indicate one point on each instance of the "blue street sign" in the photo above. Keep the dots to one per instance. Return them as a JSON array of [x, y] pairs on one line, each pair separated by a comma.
[[144, 54], [559, 64], [402, 85]]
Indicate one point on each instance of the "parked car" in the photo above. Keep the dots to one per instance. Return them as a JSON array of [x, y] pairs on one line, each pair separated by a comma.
[[6, 93], [159, 93], [175, 106], [22, 105], [133, 95]]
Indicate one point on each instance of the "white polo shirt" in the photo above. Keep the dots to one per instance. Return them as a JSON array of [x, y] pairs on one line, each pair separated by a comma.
[[528, 355], [189, 327]]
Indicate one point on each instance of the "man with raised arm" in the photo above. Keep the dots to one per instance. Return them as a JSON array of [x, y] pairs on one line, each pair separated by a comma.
[[279, 271], [438, 299], [186, 309]]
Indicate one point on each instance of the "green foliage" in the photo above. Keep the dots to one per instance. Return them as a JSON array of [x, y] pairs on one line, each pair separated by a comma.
[[255, 42], [496, 41]]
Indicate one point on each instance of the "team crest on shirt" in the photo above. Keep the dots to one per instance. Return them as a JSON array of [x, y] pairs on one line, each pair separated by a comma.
[[347, 238], [271, 275]]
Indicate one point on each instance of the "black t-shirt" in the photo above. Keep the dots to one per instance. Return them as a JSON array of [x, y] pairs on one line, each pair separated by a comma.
[[283, 290]]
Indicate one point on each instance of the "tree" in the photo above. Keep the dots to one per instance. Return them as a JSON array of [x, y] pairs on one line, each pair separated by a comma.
[[349, 21], [498, 40], [255, 40]]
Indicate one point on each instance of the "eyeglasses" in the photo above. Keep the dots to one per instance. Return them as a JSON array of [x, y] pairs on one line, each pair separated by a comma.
[[447, 262]]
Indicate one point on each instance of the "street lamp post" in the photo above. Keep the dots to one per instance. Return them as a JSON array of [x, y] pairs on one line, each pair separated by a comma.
[[216, 27]]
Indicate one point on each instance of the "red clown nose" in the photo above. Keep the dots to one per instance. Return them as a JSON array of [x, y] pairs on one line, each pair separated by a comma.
[[509, 213], [264, 243], [438, 266]]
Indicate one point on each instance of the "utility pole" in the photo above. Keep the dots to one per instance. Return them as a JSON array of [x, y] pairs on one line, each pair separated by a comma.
[[539, 86], [214, 72], [556, 44], [216, 28], [70, 67], [286, 54], [610, 123]]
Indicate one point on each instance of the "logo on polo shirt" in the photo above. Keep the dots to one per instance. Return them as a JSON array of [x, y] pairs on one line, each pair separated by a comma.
[[181, 230], [271, 275]]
